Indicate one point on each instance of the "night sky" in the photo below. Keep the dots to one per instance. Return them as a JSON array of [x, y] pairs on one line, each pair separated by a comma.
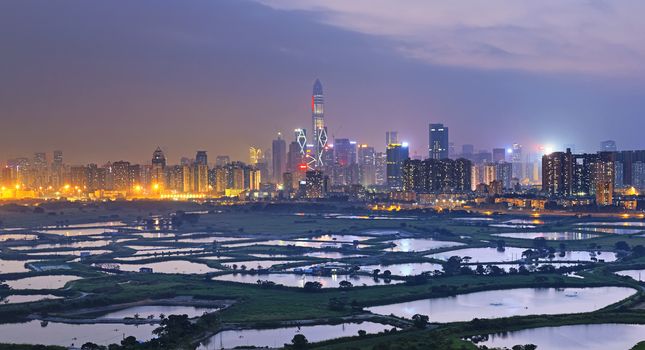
[[110, 80]]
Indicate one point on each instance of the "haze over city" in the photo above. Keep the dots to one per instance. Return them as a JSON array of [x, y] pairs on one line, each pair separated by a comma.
[[322, 175], [108, 81]]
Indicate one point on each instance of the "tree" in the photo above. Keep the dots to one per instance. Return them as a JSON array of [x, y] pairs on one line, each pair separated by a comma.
[[345, 284], [387, 274], [452, 265], [622, 245], [376, 272], [312, 286], [480, 269], [175, 331], [420, 321], [92, 346], [362, 333], [299, 341], [527, 253], [129, 342]]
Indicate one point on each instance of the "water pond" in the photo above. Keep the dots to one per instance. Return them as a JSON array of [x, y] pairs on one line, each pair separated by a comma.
[[171, 266], [277, 337], [551, 236], [157, 310], [28, 298], [507, 303], [588, 337], [42, 282], [638, 275], [63, 334], [420, 244], [406, 269], [299, 280]]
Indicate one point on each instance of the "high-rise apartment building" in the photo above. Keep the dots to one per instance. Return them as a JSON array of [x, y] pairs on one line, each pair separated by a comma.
[[557, 173]]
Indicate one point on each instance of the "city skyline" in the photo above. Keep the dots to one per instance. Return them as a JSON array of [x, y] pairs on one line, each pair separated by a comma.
[[214, 100]]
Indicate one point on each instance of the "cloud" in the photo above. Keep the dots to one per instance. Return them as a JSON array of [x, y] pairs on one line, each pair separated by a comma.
[[589, 36]]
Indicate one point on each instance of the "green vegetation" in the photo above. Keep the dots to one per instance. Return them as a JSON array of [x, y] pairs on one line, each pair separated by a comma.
[[270, 305]]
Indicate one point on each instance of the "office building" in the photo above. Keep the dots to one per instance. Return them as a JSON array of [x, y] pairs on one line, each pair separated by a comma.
[[279, 159], [319, 130], [391, 137], [438, 141], [396, 154], [608, 146]]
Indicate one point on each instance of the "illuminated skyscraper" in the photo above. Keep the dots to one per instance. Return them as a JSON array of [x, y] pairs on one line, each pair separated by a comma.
[[396, 155], [367, 165], [201, 158], [345, 152], [255, 155], [158, 169], [319, 129], [518, 162], [558, 173], [200, 172], [438, 141], [604, 176]]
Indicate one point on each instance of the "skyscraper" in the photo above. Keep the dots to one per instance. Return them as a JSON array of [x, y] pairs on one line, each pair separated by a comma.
[[396, 155], [279, 157], [499, 155], [345, 152], [201, 158], [608, 146], [58, 157], [557, 173], [255, 155], [367, 165], [200, 172], [158, 169], [518, 162], [319, 129], [391, 137], [605, 177], [438, 141]]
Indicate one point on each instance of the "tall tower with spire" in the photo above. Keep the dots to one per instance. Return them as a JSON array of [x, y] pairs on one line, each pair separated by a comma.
[[319, 129]]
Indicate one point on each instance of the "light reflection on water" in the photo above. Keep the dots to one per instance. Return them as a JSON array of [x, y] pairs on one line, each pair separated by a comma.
[[507, 303]]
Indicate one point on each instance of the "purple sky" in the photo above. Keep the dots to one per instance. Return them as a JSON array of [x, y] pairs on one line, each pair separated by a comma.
[[112, 80]]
